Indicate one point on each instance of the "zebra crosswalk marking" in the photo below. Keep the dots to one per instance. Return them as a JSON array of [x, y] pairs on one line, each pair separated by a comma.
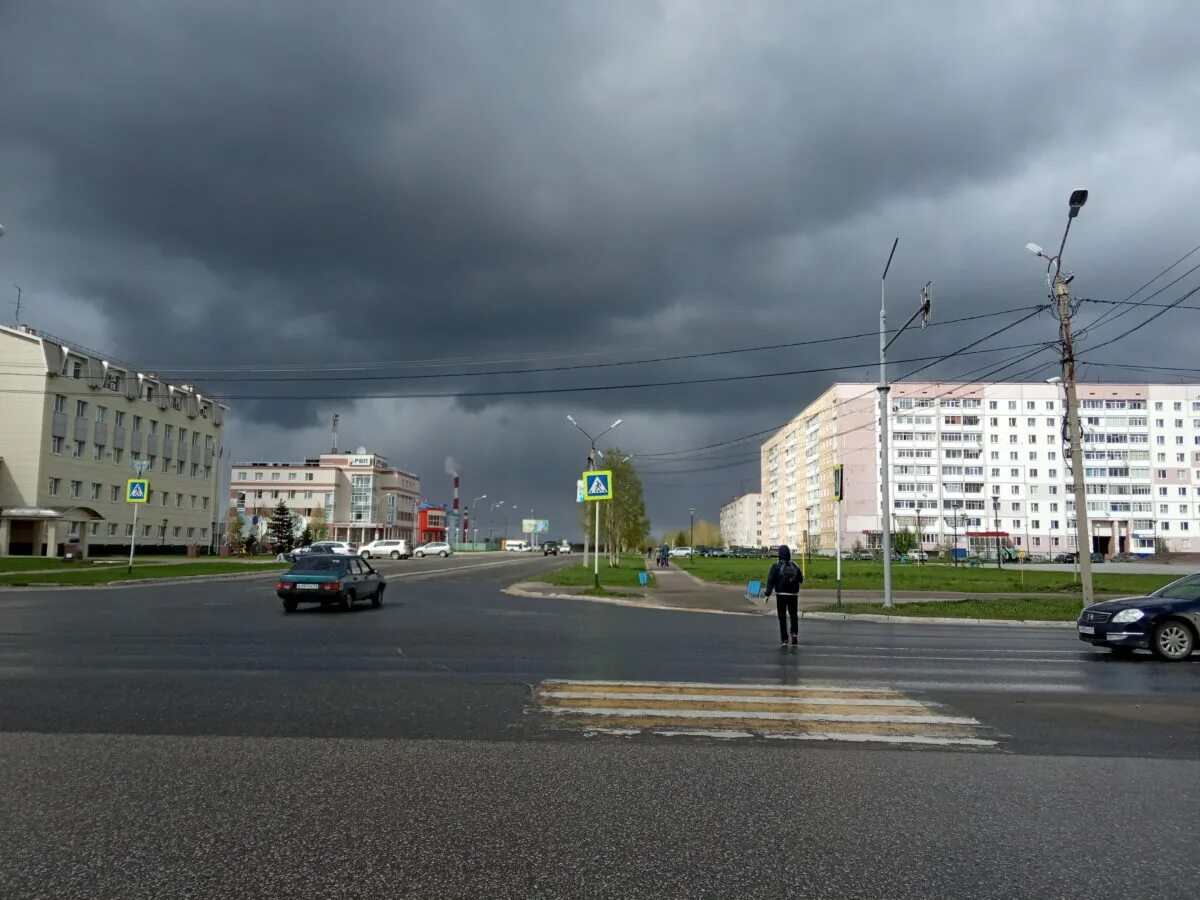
[[851, 713]]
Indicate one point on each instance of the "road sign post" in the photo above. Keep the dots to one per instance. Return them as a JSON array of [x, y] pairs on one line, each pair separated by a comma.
[[136, 492], [598, 485]]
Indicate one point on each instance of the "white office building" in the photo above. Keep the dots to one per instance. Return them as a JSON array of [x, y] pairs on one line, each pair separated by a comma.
[[970, 463], [358, 496], [72, 423], [741, 521]]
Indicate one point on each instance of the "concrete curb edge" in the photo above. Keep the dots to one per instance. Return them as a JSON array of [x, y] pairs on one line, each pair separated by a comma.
[[931, 620], [516, 590]]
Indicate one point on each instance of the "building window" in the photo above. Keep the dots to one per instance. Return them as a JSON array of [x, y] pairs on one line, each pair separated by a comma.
[[97, 453], [274, 476], [56, 445], [180, 467], [118, 455], [177, 530], [241, 476], [258, 476], [191, 501], [54, 485], [79, 450], [191, 532], [204, 504], [81, 409], [308, 476], [128, 529], [178, 500], [60, 403]]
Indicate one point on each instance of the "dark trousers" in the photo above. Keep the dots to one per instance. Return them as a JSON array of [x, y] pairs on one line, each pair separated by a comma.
[[786, 604]]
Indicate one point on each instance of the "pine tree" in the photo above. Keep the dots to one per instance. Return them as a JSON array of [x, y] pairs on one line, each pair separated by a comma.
[[306, 536], [282, 528]]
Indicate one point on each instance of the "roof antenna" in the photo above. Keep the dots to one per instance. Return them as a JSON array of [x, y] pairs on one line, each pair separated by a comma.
[[18, 287], [335, 440]]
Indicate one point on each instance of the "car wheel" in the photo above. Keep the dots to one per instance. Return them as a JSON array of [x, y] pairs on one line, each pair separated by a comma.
[[395, 554], [443, 554], [290, 606], [348, 602], [377, 600], [366, 554], [1173, 640], [419, 555]]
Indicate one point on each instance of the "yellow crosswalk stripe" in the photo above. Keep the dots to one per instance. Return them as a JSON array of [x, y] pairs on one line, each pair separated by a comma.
[[852, 713]]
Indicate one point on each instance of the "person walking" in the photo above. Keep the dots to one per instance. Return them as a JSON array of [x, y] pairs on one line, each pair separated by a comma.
[[785, 580]]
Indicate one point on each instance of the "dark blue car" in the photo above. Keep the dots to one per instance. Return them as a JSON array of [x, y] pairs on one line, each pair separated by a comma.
[[1166, 622]]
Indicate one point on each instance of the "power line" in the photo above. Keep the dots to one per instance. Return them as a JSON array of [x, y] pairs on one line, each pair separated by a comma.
[[1114, 314], [187, 373], [1146, 322], [550, 391]]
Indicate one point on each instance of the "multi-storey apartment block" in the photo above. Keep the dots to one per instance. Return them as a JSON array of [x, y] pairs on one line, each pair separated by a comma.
[[973, 462]]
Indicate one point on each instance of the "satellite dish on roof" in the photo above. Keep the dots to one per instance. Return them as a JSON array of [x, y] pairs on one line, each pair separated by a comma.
[[360, 451]]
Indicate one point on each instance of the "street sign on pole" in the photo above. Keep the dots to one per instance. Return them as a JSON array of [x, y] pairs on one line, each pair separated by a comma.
[[598, 485], [579, 491], [838, 484], [137, 490]]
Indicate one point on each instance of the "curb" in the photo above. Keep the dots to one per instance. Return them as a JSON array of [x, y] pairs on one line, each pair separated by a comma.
[[134, 582], [517, 591], [931, 620]]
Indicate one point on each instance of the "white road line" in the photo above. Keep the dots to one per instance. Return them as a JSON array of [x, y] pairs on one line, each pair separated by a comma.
[[658, 713], [724, 698], [866, 689], [700, 732], [864, 738], [491, 565], [619, 732]]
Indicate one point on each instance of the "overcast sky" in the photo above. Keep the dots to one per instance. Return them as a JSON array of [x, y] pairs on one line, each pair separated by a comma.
[[515, 185]]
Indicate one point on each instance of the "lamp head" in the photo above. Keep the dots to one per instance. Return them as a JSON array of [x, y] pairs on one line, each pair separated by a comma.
[[1078, 198]]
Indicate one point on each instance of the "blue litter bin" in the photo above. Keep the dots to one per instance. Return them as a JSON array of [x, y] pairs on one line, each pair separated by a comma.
[[643, 578], [754, 590]]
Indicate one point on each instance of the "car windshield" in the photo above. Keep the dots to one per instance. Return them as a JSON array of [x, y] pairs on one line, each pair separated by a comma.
[[319, 564], [1183, 589]]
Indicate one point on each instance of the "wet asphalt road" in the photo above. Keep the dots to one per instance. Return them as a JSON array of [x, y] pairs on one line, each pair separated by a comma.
[[195, 741]]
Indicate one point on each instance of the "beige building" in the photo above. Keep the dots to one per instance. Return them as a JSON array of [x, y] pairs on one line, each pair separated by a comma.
[[72, 423], [741, 521], [360, 495]]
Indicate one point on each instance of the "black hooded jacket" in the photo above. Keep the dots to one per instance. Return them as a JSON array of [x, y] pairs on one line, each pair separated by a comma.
[[774, 578]]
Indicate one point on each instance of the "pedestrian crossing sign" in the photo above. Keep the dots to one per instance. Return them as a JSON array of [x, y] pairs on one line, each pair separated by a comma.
[[598, 485], [136, 490]]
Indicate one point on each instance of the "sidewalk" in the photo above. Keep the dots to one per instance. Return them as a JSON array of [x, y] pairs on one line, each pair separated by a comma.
[[679, 589]]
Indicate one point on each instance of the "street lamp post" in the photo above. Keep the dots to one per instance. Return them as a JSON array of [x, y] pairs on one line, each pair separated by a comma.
[[885, 463], [467, 513], [692, 528], [1060, 291], [996, 515], [591, 461], [491, 514]]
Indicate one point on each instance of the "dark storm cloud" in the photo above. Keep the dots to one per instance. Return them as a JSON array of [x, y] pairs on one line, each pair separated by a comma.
[[362, 181]]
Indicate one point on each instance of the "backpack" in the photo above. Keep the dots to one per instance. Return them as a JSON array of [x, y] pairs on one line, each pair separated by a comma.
[[789, 578]]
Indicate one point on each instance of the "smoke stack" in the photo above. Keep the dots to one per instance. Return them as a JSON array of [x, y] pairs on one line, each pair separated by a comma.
[[457, 521], [335, 439]]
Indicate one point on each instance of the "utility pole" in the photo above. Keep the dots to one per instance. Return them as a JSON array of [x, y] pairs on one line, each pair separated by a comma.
[[885, 462], [996, 514], [1060, 292], [692, 529], [18, 287]]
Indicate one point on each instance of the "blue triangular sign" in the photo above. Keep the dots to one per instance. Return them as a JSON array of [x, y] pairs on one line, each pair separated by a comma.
[[599, 485], [135, 491]]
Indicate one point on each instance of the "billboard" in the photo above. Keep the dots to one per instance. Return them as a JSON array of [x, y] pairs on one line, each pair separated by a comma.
[[535, 526]]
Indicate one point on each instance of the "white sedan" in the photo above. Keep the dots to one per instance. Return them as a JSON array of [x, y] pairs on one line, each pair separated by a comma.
[[437, 548]]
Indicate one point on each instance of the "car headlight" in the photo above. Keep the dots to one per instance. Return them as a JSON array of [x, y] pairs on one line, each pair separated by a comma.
[[1128, 615]]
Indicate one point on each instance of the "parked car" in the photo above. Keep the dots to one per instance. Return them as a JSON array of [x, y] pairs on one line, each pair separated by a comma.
[[685, 552], [393, 549], [549, 549], [436, 548], [328, 578], [1074, 557], [341, 548], [564, 547], [295, 553], [1165, 622], [718, 553], [1126, 557]]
